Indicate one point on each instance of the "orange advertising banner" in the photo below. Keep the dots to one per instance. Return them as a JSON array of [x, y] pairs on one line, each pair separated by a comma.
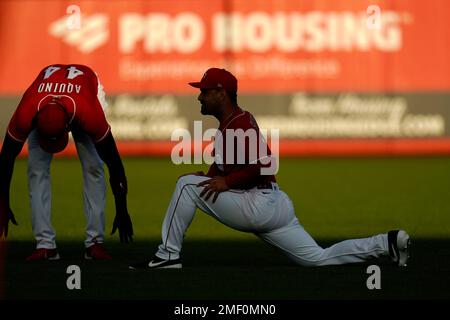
[[273, 46]]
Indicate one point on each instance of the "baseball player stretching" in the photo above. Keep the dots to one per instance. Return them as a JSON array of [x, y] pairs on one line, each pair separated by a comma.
[[65, 98], [239, 196]]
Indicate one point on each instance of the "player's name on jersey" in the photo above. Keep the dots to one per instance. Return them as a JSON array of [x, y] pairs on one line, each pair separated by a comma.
[[57, 87]]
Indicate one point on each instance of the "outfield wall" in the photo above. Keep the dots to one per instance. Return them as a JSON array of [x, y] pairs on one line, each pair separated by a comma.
[[350, 77]]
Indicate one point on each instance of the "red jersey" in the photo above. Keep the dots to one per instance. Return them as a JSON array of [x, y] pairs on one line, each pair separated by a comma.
[[79, 91], [242, 168]]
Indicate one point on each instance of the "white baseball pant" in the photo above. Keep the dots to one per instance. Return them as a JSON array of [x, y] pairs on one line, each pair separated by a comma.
[[94, 193], [269, 214]]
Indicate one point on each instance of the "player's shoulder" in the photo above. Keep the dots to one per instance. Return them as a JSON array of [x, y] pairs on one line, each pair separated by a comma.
[[244, 120]]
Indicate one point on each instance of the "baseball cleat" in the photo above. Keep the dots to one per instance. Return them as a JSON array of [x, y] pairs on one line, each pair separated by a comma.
[[97, 252], [157, 263], [43, 254], [399, 245]]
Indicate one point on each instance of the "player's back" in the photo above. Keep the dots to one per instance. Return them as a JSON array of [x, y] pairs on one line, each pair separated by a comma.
[[59, 79], [76, 87]]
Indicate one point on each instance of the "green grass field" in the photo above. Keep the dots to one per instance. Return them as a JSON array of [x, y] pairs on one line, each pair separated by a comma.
[[335, 199]]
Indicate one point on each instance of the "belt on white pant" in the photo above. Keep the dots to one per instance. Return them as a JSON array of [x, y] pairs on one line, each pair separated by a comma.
[[270, 185]]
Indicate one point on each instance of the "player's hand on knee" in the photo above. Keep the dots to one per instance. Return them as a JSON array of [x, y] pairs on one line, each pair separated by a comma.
[[213, 186]]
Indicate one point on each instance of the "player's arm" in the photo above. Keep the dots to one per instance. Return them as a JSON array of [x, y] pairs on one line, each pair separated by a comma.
[[238, 179], [244, 175], [108, 152], [10, 150]]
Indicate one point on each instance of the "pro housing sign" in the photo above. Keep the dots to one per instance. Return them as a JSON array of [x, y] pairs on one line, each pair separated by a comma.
[[272, 46], [314, 69]]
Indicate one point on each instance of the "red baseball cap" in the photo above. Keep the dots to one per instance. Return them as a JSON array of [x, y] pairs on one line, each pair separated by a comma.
[[52, 123], [215, 78]]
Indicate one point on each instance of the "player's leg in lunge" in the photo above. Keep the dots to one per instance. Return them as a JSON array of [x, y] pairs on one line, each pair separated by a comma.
[[296, 242], [185, 200], [94, 188], [39, 186], [178, 217]]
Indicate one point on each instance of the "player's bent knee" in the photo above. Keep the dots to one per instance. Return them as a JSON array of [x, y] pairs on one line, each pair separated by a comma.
[[94, 169], [190, 179]]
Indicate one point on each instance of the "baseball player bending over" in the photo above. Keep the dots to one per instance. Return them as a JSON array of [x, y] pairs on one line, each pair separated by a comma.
[[239, 196], [65, 98]]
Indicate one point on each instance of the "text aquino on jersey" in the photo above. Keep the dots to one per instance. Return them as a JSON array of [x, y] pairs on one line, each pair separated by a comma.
[[56, 87], [204, 311]]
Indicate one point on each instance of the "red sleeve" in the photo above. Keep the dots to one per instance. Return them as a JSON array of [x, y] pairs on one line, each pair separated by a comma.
[[241, 176], [94, 123], [248, 174], [90, 116], [21, 122]]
